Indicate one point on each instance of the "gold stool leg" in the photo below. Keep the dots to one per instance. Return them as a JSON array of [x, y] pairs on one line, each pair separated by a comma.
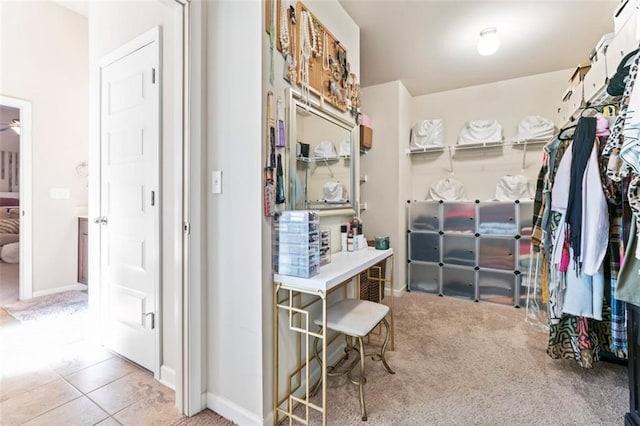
[[384, 348], [362, 380]]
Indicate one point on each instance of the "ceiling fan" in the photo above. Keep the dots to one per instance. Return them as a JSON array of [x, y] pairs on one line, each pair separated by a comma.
[[14, 125]]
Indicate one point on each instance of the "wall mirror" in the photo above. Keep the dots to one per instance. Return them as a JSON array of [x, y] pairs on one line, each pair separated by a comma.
[[321, 150]]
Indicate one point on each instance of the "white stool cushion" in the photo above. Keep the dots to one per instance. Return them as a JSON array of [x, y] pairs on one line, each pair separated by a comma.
[[354, 317]]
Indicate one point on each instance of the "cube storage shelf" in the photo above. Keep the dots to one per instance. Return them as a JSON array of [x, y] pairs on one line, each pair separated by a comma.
[[470, 249]]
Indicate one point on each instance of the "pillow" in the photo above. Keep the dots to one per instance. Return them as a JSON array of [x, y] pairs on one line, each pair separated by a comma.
[[325, 149], [345, 148], [8, 238], [427, 134], [513, 187], [333, 192], [480, 132], [534, 127], [10, 226], [10, 253], [447, 189]]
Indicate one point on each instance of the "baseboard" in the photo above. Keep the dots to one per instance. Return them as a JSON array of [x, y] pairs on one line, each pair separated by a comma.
[[314, 376], [268, 421], [243, 417], [78, 287], [232, 411], [168, 377], [397, 292]]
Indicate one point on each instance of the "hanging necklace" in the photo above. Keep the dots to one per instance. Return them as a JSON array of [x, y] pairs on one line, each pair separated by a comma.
[[317, 45], [288, 51], [284, 30], [325, 52], [291, 72], [305, 53]]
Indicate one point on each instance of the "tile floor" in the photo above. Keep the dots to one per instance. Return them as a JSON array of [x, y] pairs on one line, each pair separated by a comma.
[[50, 374]]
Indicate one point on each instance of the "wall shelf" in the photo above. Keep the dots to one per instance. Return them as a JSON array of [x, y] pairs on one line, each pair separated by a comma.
[[316, 160], [426, 150], [514, 143]]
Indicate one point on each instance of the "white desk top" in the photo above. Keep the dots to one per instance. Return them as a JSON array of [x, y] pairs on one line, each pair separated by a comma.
[[344, 265]]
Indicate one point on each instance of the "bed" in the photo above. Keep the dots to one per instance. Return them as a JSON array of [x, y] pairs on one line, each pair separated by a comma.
[[9, 227]]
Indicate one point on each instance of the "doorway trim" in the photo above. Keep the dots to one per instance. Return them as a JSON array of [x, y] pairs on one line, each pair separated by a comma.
[[190, 388], [26, 195]]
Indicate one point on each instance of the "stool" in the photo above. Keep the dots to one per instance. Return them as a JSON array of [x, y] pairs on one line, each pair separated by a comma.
[[357, 318]]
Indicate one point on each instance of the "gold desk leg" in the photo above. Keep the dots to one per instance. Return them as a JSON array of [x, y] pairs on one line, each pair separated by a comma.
[[275, 355], [391, 297], [324, 361]]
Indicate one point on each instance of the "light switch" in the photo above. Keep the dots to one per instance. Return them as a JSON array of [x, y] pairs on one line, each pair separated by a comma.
[[59, 193], [216, 182]]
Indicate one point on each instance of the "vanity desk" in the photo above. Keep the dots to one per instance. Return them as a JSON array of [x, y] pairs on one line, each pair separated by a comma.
[[300, 300]]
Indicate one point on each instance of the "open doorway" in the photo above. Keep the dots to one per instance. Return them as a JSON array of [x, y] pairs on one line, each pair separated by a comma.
[[62, 170], [9, 204]]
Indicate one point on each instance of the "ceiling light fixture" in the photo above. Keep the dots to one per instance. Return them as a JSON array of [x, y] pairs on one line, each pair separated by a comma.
[[14, 125], [489, 42]]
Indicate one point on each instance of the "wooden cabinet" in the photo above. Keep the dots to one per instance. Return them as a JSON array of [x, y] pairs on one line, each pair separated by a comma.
[[83, 244]]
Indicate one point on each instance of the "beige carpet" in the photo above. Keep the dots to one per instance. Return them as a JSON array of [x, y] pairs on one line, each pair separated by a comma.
[[50, 307], [203, 418], [460, 362]]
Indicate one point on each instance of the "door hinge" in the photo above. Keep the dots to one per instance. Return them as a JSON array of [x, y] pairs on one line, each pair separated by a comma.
[[153, 319], [153, 198], [187, 228], [153, 75]]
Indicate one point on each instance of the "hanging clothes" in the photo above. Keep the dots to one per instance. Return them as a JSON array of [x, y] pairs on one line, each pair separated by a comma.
[[613, 192], [580, 154], [579, 293], [629, 282], [615, 167], [619, 344]]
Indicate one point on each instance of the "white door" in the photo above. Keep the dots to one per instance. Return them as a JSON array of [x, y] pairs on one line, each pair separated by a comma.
[[129, 237]]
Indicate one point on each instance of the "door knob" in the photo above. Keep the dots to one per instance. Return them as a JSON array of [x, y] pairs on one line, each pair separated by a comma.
[[101, 219]]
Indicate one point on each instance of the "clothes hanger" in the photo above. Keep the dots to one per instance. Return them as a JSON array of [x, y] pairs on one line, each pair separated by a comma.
[[563, 136], [589, 108]]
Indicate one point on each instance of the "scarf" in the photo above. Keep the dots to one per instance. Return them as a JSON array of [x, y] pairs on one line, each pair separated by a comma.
[[581, 148]]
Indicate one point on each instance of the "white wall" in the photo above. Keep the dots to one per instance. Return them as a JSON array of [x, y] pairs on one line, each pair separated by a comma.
[[239, 299], [506, 101], [45, 60], [405, 180], [235, 279], [111, 25], [388, 173]]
